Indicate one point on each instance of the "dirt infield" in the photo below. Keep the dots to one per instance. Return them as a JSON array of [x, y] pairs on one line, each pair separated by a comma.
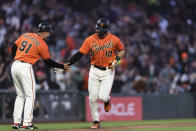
[[134, 127]]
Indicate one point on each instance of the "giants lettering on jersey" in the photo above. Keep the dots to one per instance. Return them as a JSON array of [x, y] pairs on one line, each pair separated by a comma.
[[96, 48]]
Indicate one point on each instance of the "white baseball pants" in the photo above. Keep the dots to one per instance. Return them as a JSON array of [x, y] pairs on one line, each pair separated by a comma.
[[24, 81], [99, 87]]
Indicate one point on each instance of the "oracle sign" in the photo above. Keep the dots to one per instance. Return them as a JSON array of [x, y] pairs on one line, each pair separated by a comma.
[[123, 109]]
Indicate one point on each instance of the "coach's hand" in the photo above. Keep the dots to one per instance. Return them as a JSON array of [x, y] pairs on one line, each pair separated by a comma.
[[67, 67]]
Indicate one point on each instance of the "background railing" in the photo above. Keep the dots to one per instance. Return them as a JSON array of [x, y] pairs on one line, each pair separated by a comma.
[[49, 106], [70, 106]]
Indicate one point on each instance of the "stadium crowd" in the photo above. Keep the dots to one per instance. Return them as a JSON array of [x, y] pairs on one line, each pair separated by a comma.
[[159, 36]]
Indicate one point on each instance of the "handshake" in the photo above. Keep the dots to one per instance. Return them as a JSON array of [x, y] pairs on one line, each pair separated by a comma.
[[67, 67]]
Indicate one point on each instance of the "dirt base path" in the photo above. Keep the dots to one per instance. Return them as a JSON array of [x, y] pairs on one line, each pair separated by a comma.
[[133, 127]]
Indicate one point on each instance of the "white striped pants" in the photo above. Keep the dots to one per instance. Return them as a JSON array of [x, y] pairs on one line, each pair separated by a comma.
[[24, 82], [99, 87]]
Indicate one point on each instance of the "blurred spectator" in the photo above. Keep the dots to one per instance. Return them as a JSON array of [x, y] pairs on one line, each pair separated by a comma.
[[5, 78], [166, 77], [159, 36], [44, 106], [85, 73], [76, 79], [61, 80], [41, 83], [140, 86]]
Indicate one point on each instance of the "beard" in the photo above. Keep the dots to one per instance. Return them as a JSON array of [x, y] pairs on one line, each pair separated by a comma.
[[101, 34]]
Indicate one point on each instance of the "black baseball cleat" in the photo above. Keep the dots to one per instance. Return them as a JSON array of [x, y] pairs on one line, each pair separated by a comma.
[[17, 126], [32, 127]]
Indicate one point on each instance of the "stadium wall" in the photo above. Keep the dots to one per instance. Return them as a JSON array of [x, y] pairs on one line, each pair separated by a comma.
[[73, 106]]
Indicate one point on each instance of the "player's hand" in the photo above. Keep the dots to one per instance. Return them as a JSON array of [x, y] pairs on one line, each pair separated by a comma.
[[112, 64], [67, 67]]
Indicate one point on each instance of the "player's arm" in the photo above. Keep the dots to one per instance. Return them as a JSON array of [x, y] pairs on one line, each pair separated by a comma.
[[76, 57], [52, 63], [13, 50], [84, 49], [121, 50], [120, 55], [44, 53]]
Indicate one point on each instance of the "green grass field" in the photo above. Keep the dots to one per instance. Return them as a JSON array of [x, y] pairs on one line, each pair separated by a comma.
[[118, 126]]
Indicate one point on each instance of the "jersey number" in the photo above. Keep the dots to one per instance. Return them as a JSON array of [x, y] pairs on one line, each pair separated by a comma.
[[108, 53], [23, 46]]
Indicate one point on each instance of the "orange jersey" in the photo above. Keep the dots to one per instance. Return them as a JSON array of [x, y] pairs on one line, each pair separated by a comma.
[[102, 51], [30, 48]]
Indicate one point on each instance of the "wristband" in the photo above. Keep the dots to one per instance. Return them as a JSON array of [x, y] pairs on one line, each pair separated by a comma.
[[117, 58]]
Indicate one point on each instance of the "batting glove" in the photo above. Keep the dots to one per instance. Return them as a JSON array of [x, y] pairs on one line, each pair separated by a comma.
[[113, 64]]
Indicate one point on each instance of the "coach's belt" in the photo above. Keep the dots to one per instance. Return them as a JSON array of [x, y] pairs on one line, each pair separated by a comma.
[[101, 68]]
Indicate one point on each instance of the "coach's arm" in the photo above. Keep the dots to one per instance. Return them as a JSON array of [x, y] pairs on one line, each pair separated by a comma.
[[13, 50]]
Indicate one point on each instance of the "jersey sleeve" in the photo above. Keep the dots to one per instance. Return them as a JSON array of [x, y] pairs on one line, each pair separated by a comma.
[[17, 42], [44, 51], [119, 45], [85, 48]]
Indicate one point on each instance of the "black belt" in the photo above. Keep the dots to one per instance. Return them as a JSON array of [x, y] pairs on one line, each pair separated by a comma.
[[101, 68]]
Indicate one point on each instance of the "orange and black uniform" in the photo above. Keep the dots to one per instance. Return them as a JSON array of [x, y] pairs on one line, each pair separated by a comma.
[[101, 75], [29, 47], [102, 51]]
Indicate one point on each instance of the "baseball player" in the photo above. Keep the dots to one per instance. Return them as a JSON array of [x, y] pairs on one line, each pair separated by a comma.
[[26, 51], [102, 47]]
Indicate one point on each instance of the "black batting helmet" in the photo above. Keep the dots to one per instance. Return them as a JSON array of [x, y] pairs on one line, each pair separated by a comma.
[[102, 27], [103, 24], [45, 27]]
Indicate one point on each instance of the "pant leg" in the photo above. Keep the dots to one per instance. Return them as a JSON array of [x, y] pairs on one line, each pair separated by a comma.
[[93, 88], [28, 82], [19, 102], [106, 85]]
